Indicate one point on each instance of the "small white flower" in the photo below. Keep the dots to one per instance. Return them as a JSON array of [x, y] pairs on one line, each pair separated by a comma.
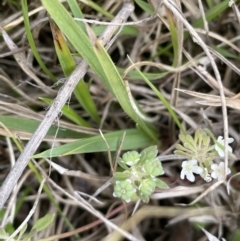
[[218, 171], [220, 149], [205, 175], [190, 167]]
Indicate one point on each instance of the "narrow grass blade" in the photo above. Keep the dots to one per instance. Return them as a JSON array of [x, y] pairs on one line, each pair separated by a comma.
[[77, 13], [213, 12], [164, 101], [27, 125], [31, 41], [83, 45], [67, 63], [116, 85], [145, 6], [69, 113], [134, 139], [98, 8]]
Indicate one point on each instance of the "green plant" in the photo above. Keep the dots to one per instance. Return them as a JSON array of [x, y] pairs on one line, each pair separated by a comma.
[[200, 153], [40, 225], [138, 179]]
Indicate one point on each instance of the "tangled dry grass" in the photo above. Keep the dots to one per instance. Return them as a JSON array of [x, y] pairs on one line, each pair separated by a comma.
[[187, 50]]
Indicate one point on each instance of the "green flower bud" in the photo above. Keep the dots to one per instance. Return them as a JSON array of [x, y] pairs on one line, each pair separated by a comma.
[[147, 187], [153, 167], [120, 176], [131, 158], [124, 190]]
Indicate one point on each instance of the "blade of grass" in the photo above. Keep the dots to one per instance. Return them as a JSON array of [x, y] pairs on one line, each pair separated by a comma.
[[225, 52], [127, 30], [213, 12], [93, 57], [176, 31], [69, 113], [174, 38], [77, 37], [118, 88], [98, 8], [31, 41], [164, 101], [28, 125], [77, 13], [67, 63], [53, 111], [145, 6], [134, 75], [134, 139]]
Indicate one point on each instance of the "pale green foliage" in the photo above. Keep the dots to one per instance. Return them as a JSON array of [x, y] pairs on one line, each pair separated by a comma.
[[139, 179], [200, 153], [40, 225], [199, 148]]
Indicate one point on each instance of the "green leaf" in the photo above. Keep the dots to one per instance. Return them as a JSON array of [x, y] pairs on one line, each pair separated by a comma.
[[28, 125], [161, 184], [22, 231], [127, 30], [174, 36], [213, 12], [98, 8], [145, 6], [225, 52], [134, 139], [135, 75], [190, 140], [67, 63], [164, 101], [29, 236], [73, 32], [116, 85], [32, 42], [120, 176], [77, 13], [3, 234], [149, 153], [44, 222], [97, 58], [122, 163], [69, 113]]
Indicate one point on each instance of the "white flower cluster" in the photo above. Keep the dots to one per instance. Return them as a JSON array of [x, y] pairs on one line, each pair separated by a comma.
[[217, 171]]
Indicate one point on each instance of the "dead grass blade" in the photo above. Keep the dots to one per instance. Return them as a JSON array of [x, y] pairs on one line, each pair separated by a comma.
[[214, 100]]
